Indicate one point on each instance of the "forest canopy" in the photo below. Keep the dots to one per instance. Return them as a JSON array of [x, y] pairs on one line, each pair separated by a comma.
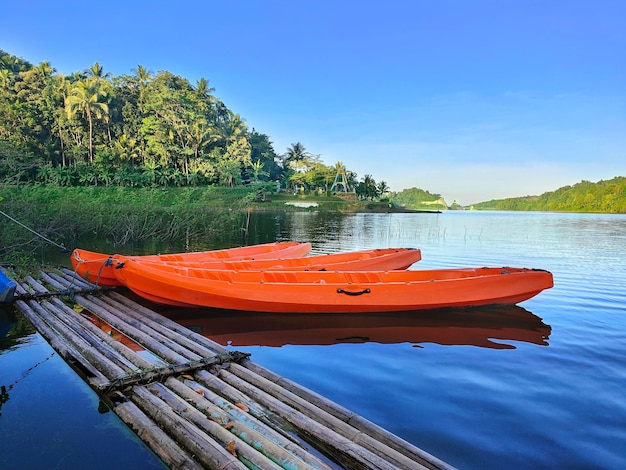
[[604, 196], [145, 129]]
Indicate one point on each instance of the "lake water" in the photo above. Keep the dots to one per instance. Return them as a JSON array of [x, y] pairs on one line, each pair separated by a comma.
[[540, 385]]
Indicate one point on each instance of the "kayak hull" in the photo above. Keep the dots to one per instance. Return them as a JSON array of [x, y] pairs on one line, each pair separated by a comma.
[[98, 268], [333, 291], [380, 259]]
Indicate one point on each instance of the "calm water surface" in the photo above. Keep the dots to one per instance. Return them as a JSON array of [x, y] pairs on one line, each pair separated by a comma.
[[540, 385]]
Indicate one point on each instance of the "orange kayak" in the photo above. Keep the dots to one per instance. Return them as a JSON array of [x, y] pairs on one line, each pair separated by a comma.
[[331, 291], [98, 268], [379, 259]]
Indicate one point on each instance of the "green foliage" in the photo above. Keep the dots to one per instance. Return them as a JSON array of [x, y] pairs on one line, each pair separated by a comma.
[[415, 198], [141, 130], [607, 196], [119, 215]]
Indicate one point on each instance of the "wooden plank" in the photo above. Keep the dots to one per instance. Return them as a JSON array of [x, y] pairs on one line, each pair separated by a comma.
[[206, 451], [92, 375], [325, 427], [351, 418], [149, 341], [259, 403], [105, 344], [162, 328], [237, 446], [183, 331], [153, 436], [262, 437], [109, 368]]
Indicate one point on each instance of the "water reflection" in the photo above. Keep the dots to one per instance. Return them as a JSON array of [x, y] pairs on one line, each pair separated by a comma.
[[14, 328], [486, 327]]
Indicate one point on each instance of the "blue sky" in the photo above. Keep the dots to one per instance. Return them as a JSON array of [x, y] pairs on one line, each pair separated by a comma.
[[472, 99]]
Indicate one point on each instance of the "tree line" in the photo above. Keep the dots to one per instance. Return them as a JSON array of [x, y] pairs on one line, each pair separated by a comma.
[[607, 196], [142, 129]]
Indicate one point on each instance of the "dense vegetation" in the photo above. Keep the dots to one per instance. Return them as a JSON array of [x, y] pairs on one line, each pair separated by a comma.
[[118, 216], [415, 198], [141, 130], [607, 196]]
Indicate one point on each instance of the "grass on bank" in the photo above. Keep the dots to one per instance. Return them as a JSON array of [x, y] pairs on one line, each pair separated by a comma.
[[122, 215]]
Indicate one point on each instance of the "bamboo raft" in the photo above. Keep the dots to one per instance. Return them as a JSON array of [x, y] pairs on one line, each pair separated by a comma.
[[193, 402]]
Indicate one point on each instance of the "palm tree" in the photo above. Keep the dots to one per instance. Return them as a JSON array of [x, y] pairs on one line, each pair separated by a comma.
[[382, 188], [143, 76], [296, 155], [203, 88], [45, 69], [257, 170], [12, 64], [96, 71], [83, 99]]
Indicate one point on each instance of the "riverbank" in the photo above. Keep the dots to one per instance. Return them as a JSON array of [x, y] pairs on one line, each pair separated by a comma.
[[207, 198], [124, 215]]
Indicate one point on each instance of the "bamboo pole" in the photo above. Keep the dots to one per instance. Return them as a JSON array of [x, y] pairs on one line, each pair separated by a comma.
[[186, 332], [69, 284], [321, 416], [208, 453], [273, 426], [153, 436], [351, 418], [161, 328], [235, 395], [262, 437], [220, 434], [141, 325], [254, 415], [339, 447], [325, 428], [336, 410], [53, 282], [161, 373], [85, 325], [20, 290], [105, 365], [76, 278], [137, 335], [71, 356], [73, 329], [36, 285]]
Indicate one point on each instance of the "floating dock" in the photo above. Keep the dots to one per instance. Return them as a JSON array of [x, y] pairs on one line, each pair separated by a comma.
[[195, 403]]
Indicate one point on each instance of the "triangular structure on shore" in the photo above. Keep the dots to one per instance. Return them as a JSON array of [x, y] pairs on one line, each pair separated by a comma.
[[341, 182]]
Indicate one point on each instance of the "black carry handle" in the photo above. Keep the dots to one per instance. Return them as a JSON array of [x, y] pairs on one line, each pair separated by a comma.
[[347, 292]]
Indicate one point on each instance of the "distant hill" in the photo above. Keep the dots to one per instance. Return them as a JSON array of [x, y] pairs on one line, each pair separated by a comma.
[[415, 198], [604, 196]]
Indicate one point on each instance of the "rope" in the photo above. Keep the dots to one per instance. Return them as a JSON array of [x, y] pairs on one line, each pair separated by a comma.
[[65, 250], [108, 261]]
